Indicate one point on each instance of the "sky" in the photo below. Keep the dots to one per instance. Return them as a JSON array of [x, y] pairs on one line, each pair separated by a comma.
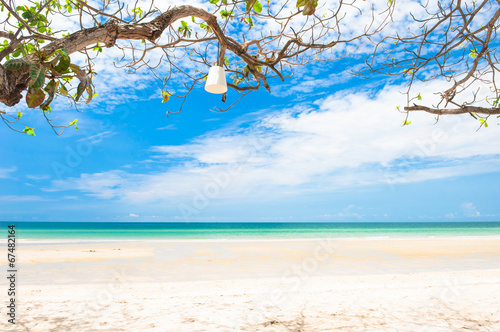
[[322, 146]]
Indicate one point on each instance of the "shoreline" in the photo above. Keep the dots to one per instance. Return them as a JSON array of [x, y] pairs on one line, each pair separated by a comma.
[[243, 239], [211, 256]]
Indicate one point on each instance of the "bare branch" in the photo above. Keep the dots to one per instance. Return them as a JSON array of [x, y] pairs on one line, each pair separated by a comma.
[[454, 111]]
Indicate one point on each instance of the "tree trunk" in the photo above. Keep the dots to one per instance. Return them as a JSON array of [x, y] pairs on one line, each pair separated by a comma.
[[12, 83]]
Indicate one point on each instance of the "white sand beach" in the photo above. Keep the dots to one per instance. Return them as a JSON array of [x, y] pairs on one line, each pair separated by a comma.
[[424, 284]]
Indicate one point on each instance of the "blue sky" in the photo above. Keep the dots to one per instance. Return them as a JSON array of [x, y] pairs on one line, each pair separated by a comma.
[[323, 146]]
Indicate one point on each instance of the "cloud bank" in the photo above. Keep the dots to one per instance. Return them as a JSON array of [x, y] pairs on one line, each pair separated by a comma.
[[349, 139]]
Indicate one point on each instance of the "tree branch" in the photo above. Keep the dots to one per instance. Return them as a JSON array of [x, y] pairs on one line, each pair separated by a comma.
[[108, 33], [454, 111], [251, 65], [6, 35]]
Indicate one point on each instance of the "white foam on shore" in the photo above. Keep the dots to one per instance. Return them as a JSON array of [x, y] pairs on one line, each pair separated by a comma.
[[235, 240]]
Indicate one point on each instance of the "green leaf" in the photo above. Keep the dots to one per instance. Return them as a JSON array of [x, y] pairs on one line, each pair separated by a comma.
[[184, 24], [27, 15], [75, 69], [79, 91], [138, 11], [98, 48], [63, 90], [301, 3], [257, 7], [483, 122], [214, 2], [63, 65], [17, 52], [16, 64], [19, 114], [225, 14], [34, 97], [73, 122], [90, 93], [57, 54], [37, 75], [419, 97], [250, 22], [84, 83], [249, 4], [50, 88], [29, 131], [406, 123], [206, 27]]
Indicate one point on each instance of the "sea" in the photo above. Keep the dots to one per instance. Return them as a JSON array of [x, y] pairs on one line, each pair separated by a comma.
[[90, 231]]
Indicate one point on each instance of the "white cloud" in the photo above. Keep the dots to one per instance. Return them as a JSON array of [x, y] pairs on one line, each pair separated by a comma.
[[97, 138], [351, 138], [101, 185], [348, 213], [38, 177], [133, 215], [469, 209], [5, 172], [305, 84], [168, 127], [20, 198]]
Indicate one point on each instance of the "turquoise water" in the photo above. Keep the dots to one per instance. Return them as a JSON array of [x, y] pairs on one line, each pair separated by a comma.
[[145, 230]]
